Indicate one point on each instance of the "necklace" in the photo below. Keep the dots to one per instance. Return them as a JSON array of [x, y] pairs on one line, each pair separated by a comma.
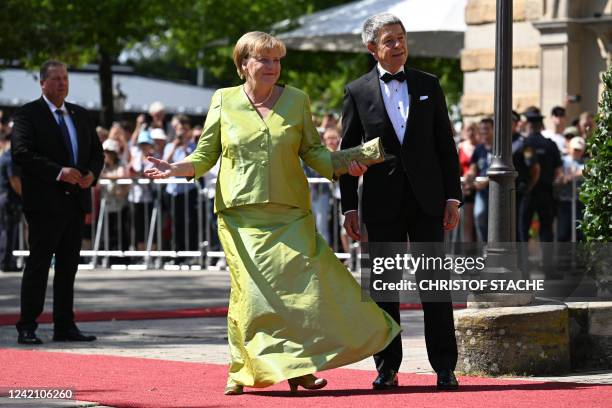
[[262, 102]]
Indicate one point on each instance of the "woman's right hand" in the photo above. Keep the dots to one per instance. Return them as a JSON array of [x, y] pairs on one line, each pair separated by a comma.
[[357, 169], [161, 169]]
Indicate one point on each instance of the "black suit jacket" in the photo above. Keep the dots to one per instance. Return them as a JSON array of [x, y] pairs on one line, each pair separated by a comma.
[[40, 151], [427, 159]]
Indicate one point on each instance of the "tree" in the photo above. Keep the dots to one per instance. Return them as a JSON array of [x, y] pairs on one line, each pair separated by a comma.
[[206, 34], [78, 32], [596, 191], [212, 27], [187, 33]]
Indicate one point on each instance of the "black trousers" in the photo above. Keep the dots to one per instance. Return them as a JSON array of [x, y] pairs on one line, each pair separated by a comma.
[[50, 234], [542, 203], [417, 226]]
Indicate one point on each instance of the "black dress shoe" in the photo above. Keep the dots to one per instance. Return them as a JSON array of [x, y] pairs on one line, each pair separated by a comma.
[[28, 337], [72, 335], [386, 380], [447, 380]]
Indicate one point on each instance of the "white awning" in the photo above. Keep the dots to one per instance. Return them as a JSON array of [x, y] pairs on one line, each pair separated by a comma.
[[20, 86], [435, 28]]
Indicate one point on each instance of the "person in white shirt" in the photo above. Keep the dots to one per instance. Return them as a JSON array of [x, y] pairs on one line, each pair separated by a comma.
[[184, 196], [569, 182], [556, 133]]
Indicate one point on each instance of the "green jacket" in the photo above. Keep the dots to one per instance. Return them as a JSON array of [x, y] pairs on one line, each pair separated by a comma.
[[260, 158]]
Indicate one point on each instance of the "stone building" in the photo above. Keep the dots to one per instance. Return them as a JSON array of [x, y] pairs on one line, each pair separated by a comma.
[[560, 49]]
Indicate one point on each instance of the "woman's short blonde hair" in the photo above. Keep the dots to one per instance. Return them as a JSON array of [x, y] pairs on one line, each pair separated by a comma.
[[254, 44]]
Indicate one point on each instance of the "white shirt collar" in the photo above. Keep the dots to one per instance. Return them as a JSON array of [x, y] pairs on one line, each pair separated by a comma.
[[53, 107], [382, 71]]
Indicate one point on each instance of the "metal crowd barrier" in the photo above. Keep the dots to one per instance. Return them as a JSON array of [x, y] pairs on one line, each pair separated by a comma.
[[109, 248], [158, 252]]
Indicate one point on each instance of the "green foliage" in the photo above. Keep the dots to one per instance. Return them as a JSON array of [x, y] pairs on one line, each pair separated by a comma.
[[596, 191], [76, 32], [211, 27], [185, 34], [81, 32], [447, 70], [323, 75]]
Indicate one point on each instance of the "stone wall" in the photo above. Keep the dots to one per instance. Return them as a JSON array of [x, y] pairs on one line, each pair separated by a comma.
[[556, 53]]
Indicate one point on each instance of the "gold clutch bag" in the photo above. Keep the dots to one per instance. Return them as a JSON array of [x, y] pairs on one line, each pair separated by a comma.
[[368, 153]]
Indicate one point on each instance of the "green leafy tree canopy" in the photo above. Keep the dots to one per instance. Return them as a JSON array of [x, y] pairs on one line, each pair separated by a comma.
[[596, 191]]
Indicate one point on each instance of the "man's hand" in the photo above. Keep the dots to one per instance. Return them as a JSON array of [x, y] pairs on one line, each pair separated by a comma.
[[351, 224], [451, 215], [356, 169], [86, 180], [70, 175]]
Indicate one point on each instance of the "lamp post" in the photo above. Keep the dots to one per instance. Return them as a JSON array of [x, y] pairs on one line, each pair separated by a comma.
[[503, 340], [501, 245], [502, 203]]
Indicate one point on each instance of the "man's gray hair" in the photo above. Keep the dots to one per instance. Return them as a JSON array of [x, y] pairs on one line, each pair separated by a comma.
[[372, 26], [47, 65]]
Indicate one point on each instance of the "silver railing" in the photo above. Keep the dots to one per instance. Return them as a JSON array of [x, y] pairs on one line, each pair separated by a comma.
[[164, 242], [113, 239]]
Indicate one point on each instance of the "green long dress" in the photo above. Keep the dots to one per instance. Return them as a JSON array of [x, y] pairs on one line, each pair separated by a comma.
[[294, 307]]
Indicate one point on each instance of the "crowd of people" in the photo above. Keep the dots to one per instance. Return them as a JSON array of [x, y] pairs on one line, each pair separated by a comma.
[[287, 285], [549, 164]]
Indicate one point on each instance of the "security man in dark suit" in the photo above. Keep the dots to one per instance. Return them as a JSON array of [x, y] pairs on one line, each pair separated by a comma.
[[528, 171], [416, 193], [540, 199], [60, 156]]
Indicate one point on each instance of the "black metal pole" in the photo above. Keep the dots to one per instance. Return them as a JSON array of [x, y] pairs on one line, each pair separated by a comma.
[[501, 246], [502, 202]]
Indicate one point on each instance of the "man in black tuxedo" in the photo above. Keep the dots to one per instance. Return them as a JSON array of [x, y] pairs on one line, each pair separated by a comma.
[[414, 195], [60, 156]]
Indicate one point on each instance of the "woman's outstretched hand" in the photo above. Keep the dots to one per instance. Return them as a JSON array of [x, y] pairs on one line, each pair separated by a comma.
[[161, 170]]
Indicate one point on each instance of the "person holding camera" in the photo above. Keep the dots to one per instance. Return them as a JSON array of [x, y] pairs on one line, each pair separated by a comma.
[[185, 196]]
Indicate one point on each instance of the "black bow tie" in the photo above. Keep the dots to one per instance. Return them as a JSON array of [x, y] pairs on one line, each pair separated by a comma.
[[399, 76]]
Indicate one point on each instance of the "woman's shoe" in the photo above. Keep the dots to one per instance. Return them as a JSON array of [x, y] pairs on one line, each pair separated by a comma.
[[309, 382], [233, 389]]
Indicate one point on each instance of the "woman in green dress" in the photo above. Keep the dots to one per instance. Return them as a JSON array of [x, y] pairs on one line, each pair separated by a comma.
[[294, 308]]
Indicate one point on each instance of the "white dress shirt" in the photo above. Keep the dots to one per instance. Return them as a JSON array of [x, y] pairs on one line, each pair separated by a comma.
[[397, 102], [69, 124]]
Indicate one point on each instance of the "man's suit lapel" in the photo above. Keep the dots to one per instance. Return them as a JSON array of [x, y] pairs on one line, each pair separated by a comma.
[[378, 107], [413, 93]]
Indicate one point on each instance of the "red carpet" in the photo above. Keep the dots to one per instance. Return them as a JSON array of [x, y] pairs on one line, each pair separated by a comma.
[[139, 382], [12, 318]]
